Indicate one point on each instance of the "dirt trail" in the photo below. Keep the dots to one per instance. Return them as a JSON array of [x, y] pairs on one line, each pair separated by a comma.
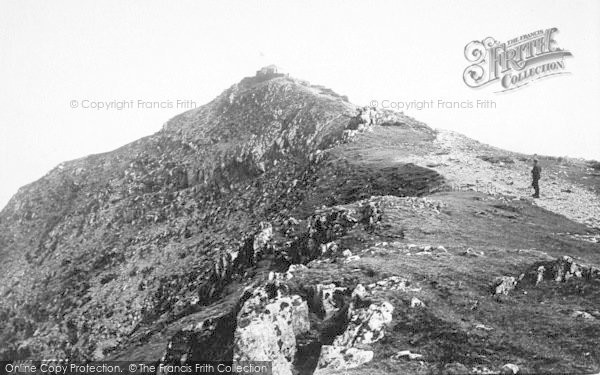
[[458, 161]]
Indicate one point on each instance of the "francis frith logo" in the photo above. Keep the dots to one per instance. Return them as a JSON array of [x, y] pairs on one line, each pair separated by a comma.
[[515, 63]]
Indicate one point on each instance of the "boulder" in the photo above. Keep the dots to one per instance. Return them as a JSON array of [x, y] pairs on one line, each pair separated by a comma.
[[509, 368], [504, 284], [582, 315], [540, 275], [415, 302], [266, 329], [471, 253]]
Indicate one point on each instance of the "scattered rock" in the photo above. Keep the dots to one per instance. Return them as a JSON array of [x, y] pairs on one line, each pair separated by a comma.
[[352, 259], [347, 253], [562, 270], [390, 283]]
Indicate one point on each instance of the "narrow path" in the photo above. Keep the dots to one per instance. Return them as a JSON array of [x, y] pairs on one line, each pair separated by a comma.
[[457, 160]]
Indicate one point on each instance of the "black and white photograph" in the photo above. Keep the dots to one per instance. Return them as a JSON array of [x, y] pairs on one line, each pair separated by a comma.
[[290, 187]]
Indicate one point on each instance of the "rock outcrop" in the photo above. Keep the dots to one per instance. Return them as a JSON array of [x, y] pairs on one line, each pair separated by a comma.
[[267, 326]]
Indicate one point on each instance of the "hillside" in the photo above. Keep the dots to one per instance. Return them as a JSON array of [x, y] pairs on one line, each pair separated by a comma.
[[281, 222]]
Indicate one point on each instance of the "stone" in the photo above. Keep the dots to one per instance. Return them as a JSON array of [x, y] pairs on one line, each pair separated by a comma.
[[341, 358], [483, 327], [294, 268], [540, 275], [471, 253], [504, 284], [582, 315], [329, 248], [510, 368], [455, 368], [415, 302], [352, 259], [347, 253], [366, 325], [359, 293], [407, 354]]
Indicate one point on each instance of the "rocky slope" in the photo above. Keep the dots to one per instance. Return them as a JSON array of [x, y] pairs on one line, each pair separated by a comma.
[[280, 222]]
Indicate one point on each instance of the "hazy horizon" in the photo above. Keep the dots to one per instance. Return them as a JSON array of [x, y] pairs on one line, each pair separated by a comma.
[[58, 53]]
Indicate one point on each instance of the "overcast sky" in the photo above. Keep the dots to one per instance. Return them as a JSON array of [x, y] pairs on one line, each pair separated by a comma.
[[54, 54]]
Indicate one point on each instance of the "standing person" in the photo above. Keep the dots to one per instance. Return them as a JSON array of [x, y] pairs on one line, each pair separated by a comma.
[[535, 178]]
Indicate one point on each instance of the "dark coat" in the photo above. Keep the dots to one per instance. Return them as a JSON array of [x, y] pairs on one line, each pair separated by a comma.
[[536, 172]]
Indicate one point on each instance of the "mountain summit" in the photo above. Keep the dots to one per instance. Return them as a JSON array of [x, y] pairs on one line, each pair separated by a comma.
[[281, 222]]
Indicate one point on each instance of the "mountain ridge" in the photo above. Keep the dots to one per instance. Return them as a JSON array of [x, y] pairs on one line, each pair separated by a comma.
[[170, 245]]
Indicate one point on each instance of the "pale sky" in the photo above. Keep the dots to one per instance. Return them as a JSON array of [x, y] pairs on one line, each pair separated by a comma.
[[56, 52]]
